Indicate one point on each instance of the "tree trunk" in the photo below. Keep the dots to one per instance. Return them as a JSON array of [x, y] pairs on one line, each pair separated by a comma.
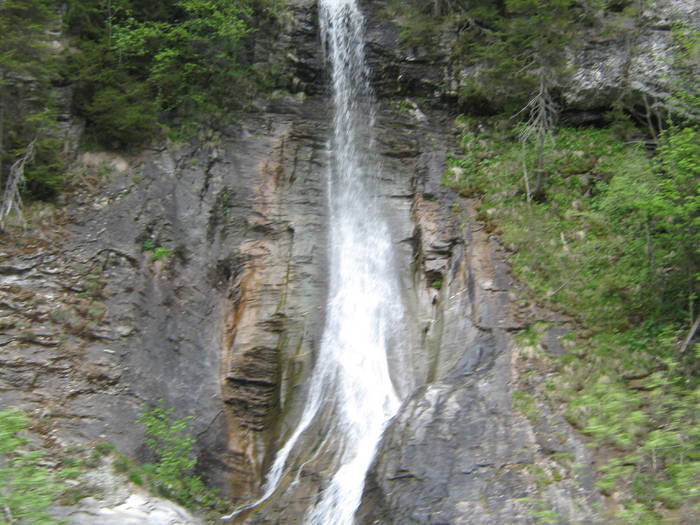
[[2, 132], [539, 193], [691, 334], [543, 115], [11, 195]]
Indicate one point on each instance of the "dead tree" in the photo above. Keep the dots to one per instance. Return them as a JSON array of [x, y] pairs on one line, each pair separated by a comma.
[[12, 195], [543, 113]]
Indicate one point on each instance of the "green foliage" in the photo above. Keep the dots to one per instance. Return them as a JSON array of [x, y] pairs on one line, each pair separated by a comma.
[[173, 473], [508, 45], [649, 420], [609, 413], [526, 405], [27, 488], [658, 215], [541, 512], [104, 448], [136, 68], [685, 100], [511, 43], [616, 245], [122, 463], [27, 69], [192, 60], [120, 115], [143, 65], [160, 253], [615, 219], [135, 477], [157, 252], [516, 54]]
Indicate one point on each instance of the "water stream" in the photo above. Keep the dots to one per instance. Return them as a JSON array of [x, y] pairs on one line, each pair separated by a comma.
[[364, 308], [350, 391]]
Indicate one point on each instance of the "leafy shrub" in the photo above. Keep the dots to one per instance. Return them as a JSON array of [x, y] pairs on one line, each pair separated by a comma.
[[104, 448], [160, 253], [172, 475], [614, 245], [618, 233], [157, 252], [122, 463], [27, 488]]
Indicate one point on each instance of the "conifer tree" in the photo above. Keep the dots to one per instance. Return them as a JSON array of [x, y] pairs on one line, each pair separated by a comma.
[[25, 73]]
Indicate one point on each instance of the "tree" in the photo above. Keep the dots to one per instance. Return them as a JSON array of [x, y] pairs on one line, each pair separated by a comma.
[[543, 112], [685, 99], [12, 196], [528, 48], [679, 166], [193, 56], [142, 64], [26, 71]]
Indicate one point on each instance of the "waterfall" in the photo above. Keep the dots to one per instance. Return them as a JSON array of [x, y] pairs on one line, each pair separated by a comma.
[[364, 303], [350, 390]]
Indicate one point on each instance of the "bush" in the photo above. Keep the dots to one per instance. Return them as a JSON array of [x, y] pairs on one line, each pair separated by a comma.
[[27, 488], [104, 448], [615, 244], [173, 473]]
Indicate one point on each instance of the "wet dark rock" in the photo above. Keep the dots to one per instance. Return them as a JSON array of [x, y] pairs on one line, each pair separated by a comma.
[[208, 328]]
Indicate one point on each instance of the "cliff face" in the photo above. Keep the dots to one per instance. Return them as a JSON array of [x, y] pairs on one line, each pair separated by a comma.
[[616, 59], [224, 326]]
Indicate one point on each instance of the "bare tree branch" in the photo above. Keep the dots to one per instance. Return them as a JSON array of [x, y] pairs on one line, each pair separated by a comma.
[[543, 114], [691, 334], [12, 197]]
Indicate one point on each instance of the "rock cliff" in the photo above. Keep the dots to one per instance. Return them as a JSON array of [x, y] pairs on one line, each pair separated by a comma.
[[195, 274]]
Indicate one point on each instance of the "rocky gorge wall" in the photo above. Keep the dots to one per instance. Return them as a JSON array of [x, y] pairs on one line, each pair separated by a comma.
[[225, 326]]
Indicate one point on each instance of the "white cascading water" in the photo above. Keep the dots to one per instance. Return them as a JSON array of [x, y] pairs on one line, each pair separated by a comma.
[[364, 309], [350, 387]]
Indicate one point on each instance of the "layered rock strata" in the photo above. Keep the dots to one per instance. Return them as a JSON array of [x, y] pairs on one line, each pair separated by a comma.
[[196, 274]]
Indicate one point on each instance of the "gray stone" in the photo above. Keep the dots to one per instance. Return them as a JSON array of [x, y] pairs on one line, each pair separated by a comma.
[[118, 502], [226, 327]]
